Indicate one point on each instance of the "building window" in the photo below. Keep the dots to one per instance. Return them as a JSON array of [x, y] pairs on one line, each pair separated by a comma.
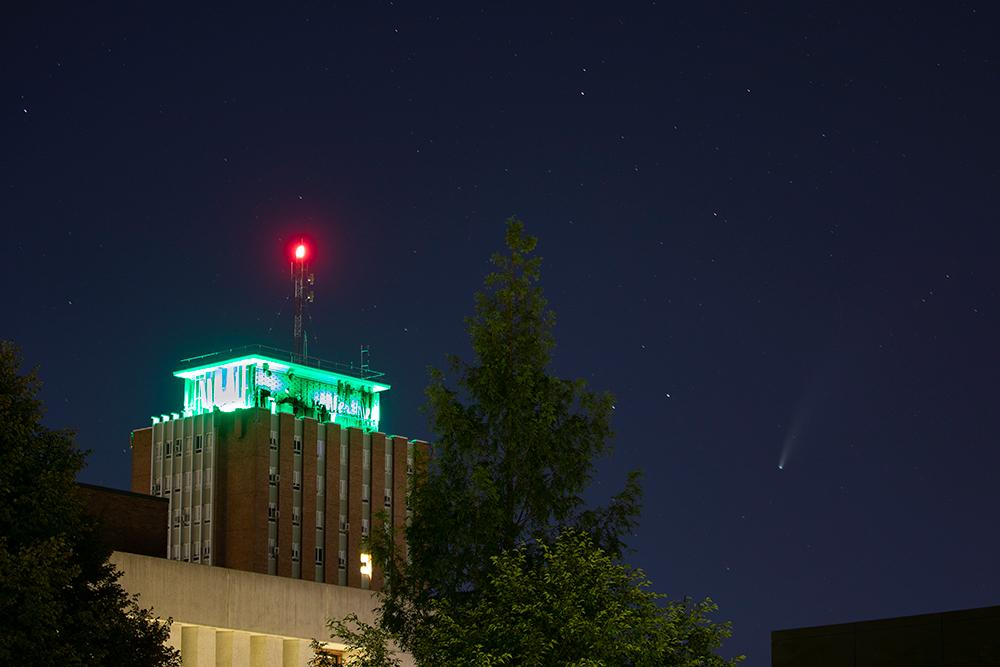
[[364, 528], [274, 439], [197, 513], [342, 560], [320, 518], [206, 550], [272, 549], [187, 480], [197, 444], [319, 555], [187, 517], [177, 518], [320, 449], [388, 500], [296, 516], [177, 447], [297, 445], [196, 552], [272, 476], [296, 479], [344, 525], [208, 478], [320, 482], [177, 552], [343, 489], [197, 478], [177, 483], [166, 451], [366, 458], [295, 552], [208, 512], [272, 512], [364, 492]]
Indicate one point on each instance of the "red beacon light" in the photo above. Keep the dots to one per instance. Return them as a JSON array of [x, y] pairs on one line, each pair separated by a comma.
[[300, 251]]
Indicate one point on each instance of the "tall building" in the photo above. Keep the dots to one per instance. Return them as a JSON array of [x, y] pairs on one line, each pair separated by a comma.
[[275, 464]]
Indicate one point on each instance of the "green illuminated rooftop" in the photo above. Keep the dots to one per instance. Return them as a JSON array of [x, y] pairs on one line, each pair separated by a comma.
[[260, 376]]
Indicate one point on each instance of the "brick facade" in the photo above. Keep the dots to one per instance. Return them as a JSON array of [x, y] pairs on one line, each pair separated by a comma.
[[239, 525]]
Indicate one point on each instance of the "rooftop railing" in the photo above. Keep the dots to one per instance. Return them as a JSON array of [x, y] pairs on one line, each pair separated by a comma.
[[281, 355]]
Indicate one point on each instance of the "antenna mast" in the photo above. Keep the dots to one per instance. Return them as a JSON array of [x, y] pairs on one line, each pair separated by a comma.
[[301, 278]]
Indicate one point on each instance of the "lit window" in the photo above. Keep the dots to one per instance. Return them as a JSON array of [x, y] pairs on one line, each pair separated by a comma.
[[366, 565]]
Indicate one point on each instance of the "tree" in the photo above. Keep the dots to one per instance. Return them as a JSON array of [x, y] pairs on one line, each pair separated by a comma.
[[59, 596], [572, 606], [367, 645], [514, 450]]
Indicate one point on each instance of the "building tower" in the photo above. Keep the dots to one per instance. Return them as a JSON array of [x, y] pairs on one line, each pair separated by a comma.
[[275, 463]]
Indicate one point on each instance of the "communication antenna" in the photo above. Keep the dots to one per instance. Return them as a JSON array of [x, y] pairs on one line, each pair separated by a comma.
[[302, 278], [365, 357]]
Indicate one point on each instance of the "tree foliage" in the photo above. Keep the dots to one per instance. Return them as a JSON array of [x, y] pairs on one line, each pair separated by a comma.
[[367, 645], [513, 452], [485, 578], [572, 606], [59, 596]]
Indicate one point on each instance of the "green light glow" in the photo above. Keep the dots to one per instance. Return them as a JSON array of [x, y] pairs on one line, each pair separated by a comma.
[[281, 386]]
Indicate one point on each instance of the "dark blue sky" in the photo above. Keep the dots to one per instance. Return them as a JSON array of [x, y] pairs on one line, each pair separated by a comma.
[[765, 229]]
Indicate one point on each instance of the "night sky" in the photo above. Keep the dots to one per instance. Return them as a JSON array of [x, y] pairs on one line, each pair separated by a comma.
[[771, 233]]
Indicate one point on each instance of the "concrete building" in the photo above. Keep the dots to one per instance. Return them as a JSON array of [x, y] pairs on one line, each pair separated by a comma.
[[276, 466], [229, 618]]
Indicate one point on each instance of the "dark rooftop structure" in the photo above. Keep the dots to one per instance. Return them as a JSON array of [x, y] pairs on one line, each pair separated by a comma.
[[127, 521], [948, 639]]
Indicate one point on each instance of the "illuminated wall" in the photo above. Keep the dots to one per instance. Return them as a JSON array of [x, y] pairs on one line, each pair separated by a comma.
[[282, 387]]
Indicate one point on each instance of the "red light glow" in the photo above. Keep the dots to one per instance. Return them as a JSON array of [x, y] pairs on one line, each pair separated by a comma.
[[300, 251]]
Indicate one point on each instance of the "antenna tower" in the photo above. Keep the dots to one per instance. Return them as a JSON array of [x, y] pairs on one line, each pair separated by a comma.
[[302, 278]]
